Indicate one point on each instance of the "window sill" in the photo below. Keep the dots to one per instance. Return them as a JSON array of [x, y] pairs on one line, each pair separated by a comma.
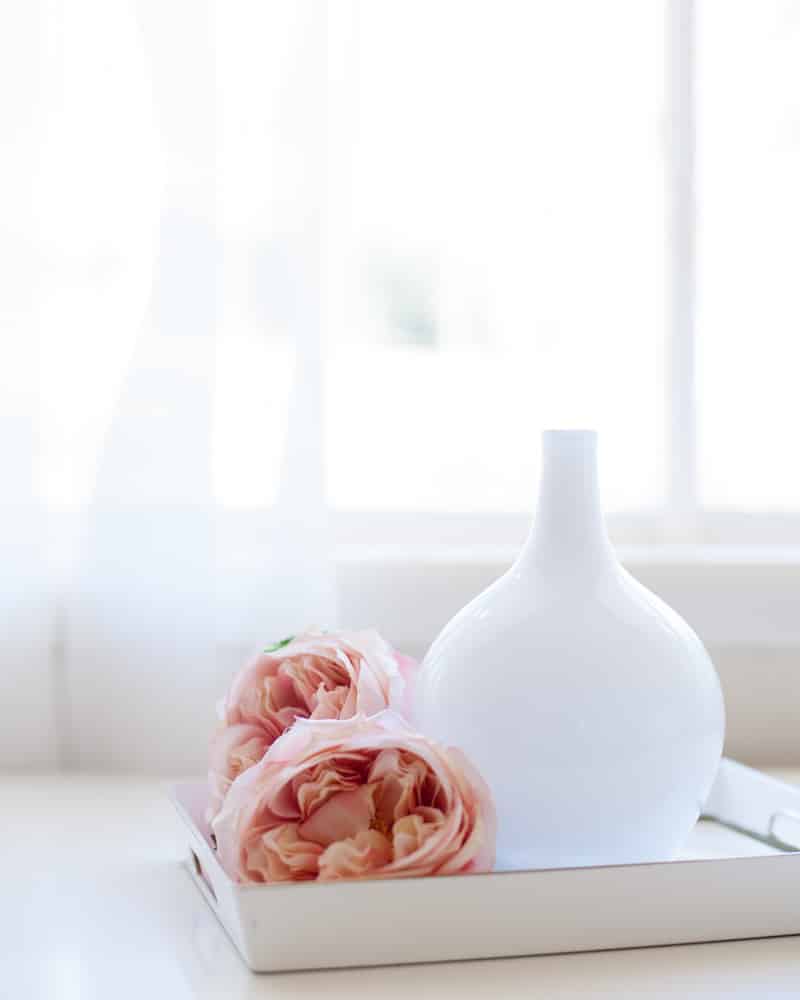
[[631, 555], [729, 594]]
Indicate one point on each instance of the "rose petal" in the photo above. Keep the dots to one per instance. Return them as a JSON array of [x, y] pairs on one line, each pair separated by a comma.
[[234, 749], [367, 852], [329, 704], [313, 789], [400, 778], [411, 832], [281, 855], [344, 815]]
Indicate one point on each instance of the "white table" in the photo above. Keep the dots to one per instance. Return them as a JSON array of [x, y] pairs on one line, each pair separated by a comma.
[[95, 904]]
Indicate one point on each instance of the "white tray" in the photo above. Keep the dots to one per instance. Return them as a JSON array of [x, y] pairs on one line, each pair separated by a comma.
[[739, 878]]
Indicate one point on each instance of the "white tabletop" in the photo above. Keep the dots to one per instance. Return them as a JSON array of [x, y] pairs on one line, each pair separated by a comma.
[[95, 904]]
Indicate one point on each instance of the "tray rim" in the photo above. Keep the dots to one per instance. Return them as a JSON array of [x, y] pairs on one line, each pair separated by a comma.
[[726, 763]]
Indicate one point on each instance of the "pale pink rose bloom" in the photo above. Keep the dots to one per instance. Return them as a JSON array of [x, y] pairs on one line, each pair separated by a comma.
[[316, 675], [362, 797]]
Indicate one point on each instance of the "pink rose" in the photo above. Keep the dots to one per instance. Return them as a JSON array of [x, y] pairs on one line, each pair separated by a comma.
[[365, 797], [316, 675]]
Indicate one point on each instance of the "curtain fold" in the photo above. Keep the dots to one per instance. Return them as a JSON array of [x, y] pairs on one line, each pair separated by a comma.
[[133, 578]]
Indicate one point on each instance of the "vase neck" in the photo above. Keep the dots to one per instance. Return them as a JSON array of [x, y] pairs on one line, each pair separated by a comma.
[[569, 528]]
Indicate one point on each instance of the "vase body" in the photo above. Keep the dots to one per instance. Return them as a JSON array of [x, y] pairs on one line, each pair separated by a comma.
[[590, 707]]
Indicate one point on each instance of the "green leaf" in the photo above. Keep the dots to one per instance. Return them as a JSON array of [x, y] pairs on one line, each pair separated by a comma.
[[279, 645]]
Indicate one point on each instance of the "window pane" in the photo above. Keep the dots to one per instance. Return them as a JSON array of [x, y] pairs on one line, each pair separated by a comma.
[[497, 249], [749, 252]]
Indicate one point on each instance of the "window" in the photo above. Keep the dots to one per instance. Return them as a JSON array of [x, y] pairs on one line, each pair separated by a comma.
[[571, 214], [502, 197], [528, 215]]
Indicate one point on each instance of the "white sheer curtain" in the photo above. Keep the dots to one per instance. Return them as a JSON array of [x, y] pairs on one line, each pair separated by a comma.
[[161, 308]]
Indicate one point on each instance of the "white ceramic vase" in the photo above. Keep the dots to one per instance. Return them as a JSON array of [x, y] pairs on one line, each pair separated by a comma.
[[590, 707]]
